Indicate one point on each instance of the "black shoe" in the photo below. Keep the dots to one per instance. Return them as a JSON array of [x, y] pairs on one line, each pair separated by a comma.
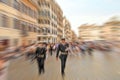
[[43, 71], [40, 73], [63, 73]]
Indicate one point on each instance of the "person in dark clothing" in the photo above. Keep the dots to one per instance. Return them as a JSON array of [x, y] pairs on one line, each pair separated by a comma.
[[51, 49], [41, 56], [83, 47], [63, 48], [90, 48]]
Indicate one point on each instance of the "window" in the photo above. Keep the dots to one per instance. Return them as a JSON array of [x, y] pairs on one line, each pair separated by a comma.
[[39, 31], [48, 4], [48, 30], [0, 20], [23, 8], [24, 26], [115, 28], [49, 14], [44, 13], [39, 3], [32, 28], [35, 14], [35, 30], [39, 21], [5, 1], [44, 31], [29, 28], [16, 5], [15, 41], [28, 11], [45, 21], [24, 29], [4, 21], [39, 38], [16, 23], [48, 22]]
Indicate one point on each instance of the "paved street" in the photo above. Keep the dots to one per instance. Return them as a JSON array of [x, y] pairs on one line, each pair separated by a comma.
[[99, 66]]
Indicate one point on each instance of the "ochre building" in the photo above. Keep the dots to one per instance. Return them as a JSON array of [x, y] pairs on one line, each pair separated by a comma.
[[50, 21], [18, 22]]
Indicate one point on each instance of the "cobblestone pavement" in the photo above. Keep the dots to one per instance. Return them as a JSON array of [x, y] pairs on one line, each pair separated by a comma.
[[98, 66]]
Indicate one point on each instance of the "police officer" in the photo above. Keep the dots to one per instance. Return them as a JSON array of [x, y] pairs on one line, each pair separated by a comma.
[[41, 56], [62, 49]]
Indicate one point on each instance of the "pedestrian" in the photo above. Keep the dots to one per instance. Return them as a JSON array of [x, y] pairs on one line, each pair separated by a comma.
[[63, 48], [54, 47], [51, 49], [41, 56], [90, 48], [70, 47], [83, 47], [47, 50]]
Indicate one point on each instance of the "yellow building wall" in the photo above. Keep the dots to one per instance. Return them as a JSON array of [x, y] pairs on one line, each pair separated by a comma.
[[10, 34], [13, 33]]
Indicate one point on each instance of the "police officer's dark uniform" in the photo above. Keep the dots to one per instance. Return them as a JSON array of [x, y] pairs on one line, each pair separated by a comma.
[[41, 55], [62, 49]]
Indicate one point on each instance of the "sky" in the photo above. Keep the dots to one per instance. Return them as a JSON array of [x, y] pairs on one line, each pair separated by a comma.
[[79, 12]]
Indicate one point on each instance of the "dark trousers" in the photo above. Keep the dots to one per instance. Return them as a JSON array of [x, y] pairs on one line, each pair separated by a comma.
[[51, 51], [41, 65], [63, 58], [90, 51], [83, 51]]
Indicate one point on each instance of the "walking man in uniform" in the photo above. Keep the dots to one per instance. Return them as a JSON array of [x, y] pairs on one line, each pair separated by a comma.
[[41, 56], [62, 49]]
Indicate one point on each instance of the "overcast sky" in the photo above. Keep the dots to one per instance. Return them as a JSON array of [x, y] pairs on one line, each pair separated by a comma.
[[89, 11]]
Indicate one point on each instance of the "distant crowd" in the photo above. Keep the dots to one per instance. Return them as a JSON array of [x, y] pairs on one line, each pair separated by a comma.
[[75, 48]]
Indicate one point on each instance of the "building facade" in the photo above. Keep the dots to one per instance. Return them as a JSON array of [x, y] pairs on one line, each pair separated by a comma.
[[74, 36], [89, 32], [18, 22], [111, 31], [50, 21], [67, 32]]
